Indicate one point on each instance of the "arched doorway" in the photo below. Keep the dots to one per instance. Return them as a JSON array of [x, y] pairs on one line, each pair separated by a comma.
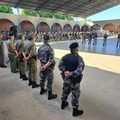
[[76, 28], [95, 27], [84, 28], [109, 27], [56, 28], [5, 25], [27, 26], [43, 27], [118, 29], [67, 28]]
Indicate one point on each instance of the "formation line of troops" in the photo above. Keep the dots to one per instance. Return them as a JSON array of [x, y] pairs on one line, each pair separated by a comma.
[[91, 37], [71, 66], [2, 52], [24, 56]]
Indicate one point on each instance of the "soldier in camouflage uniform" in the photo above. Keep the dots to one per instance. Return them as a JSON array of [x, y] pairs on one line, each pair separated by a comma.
[[89, 38], [2, 52], [95, 38], [31, 59], [118, 40], [20, 46], [12, 53], [72, 66], [83, 38], [47, 63]]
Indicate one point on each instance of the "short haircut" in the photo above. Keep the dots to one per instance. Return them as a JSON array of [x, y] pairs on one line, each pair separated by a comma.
[[46, 37], [20, 36], [31, 37]]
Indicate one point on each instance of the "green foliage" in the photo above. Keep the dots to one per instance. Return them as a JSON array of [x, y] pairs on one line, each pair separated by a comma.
[[28, 12], [6, 9], [59, 16], [45, 14], [23, 12], [69, 18]]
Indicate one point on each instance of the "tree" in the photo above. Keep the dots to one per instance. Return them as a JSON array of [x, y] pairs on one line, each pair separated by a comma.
[[6, 9], [59, 16], [28, 12], [69, 18], [45, 14]]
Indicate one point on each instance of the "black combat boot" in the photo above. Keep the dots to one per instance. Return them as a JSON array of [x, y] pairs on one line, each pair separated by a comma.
[[51, 96], [3, 66], [43, 91], [24, 77], [64, 105], [21, 75], [30, 82], [77, 112], [35, 85]]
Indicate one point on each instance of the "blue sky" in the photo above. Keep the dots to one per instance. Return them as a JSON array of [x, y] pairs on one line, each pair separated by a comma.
[[112, 13]]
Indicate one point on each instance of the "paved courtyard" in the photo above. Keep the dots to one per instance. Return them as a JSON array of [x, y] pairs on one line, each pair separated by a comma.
[[100, 88]]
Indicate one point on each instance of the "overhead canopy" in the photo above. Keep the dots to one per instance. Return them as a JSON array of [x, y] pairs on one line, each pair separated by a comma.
[[81, 8]]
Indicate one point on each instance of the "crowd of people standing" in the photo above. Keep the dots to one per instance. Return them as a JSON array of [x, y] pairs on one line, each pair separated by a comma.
[[23, 58], [89, 38], [21, 55]]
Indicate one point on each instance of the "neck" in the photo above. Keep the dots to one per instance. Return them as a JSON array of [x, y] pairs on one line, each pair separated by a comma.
[[46, 43], [74, 52]]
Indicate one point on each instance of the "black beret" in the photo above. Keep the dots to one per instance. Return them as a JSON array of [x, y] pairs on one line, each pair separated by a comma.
[[46, 37], [73, 45], [11, 34]]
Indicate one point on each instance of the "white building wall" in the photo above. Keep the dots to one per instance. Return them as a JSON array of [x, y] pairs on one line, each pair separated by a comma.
[[36, 20]]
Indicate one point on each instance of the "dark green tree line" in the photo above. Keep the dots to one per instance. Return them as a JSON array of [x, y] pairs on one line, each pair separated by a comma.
[[6, 9], [45, 14]]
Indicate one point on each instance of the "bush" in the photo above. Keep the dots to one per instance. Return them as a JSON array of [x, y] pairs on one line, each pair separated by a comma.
[[45, 14], [6, 9]]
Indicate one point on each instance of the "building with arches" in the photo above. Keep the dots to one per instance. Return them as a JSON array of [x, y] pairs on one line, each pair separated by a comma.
[[39, 24]]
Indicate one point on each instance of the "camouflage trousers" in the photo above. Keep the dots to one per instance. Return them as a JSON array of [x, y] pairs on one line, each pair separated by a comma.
[[104, 41], [22, 67], [83, 41], [118, 43], [49, 76], [89, 41], [13, 62], [32, 69], [1, 57], [74, 88], [95, 41]]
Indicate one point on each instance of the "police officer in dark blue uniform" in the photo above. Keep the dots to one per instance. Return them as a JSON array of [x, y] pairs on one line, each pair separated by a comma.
[[47, 63], [72, 66]]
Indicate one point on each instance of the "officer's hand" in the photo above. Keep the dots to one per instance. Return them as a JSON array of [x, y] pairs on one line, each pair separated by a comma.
[[67, 74], [40, 68], [25, 59], [43, 68]]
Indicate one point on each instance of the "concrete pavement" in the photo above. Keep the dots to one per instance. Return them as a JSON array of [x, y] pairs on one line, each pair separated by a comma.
[[100, 89]]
